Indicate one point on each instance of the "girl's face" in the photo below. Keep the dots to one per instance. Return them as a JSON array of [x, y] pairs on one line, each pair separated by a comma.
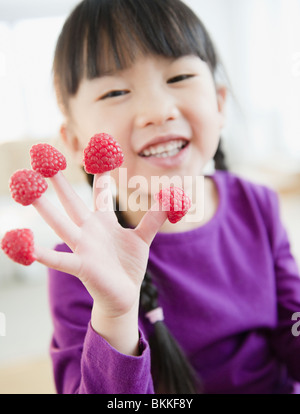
[[166, 114]]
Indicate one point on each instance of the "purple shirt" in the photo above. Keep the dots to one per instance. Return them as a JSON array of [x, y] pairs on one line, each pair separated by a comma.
[[228, 290]]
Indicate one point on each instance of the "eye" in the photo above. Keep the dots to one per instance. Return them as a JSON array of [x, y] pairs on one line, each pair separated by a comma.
[[179, 78], [113, 94]]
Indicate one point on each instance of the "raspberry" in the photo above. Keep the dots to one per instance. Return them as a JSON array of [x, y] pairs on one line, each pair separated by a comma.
[[175, 202], [26, 186], [47, 160], [19, 246], [102, 154]]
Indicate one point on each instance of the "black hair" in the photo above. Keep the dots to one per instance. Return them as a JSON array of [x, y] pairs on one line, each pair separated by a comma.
[[101, 36], [106, 35]]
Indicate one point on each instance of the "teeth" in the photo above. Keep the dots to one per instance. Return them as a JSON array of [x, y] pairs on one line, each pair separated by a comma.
[[146, 153], [168, 154], [164, 150]]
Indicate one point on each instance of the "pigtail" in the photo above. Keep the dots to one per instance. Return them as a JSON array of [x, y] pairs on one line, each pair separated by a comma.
[[219, 158], [172, 373]]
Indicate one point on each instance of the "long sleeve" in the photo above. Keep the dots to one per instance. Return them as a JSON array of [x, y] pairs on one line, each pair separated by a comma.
[[83, 361], [285, 344]]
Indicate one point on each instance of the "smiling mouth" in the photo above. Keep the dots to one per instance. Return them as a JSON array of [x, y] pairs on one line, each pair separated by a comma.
[[165, 150]]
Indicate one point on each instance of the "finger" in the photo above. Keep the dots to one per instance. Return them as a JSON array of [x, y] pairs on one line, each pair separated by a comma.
[[72, 203], [61, 224], [62, 261], [102, 193], [151, 223]]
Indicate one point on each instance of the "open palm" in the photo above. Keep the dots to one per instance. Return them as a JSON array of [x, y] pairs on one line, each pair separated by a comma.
[[109, 259]]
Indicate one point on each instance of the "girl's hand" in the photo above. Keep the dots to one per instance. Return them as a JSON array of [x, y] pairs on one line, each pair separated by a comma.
[[108, 259]]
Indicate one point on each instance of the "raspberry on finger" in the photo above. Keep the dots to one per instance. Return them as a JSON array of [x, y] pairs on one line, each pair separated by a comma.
[[26, 186], [175, 202], [102, 154], [19, 246], [47, 160]]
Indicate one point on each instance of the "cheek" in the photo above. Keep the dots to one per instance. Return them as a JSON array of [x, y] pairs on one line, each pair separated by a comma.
[[205, 122], [209, 137]]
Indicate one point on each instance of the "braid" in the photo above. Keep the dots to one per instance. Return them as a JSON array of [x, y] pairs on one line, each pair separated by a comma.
[[171, 370], [149, 294]]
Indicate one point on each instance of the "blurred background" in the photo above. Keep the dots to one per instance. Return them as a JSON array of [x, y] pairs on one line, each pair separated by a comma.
[[259, 43]]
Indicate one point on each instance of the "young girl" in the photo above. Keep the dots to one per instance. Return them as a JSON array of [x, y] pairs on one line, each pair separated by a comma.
[[214, 312]]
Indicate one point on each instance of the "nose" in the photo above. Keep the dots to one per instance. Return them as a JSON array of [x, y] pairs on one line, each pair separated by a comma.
[[156, 108]]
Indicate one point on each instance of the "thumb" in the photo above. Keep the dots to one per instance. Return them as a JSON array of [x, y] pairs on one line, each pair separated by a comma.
[[151, 223]]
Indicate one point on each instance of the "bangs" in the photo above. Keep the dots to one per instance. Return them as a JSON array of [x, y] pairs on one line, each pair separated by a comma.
[[103, 36]]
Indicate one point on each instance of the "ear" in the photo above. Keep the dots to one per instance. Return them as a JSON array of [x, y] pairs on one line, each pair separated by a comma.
[[221, 100], [72, 143]]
